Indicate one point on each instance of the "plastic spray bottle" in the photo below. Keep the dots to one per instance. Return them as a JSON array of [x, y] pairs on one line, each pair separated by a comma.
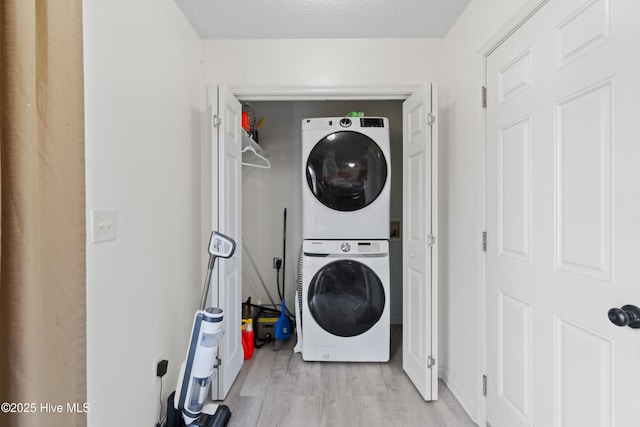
[[247, 338]]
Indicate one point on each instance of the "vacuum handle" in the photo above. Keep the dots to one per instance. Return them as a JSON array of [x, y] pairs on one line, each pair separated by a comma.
[[221, 246]]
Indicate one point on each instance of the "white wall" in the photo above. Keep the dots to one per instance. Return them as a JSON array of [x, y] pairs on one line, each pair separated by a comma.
[[142, 119], [316, 64], [461, 201]]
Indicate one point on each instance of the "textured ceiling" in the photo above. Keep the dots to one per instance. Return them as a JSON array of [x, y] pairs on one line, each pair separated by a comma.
[[300, 19]]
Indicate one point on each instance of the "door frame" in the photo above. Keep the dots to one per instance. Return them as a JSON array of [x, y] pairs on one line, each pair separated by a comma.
[[323, 93], [528, 10], [315, 93]]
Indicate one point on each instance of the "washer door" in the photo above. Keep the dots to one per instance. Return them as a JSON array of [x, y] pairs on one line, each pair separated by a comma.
[[346, 171], [346, 298]]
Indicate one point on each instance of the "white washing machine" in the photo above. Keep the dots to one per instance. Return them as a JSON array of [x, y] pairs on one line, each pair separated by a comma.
[[345, 300], [346, 178]]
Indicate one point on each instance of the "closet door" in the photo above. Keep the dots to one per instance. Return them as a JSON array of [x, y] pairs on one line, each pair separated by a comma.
[[226, 136], [562, 218], [419, 252]]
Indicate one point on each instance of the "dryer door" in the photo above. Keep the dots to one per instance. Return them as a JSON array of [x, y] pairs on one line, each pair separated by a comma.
[[346, 171], [346, 298]]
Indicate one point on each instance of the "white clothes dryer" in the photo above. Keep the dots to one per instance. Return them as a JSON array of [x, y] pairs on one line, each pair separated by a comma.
[[346, 178], [345, 300]]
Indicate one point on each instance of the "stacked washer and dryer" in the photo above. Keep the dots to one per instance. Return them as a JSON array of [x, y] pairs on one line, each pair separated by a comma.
[[345, 229]]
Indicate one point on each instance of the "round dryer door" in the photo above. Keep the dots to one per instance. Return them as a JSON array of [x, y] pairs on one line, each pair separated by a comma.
[[346, 171], [346, 298]]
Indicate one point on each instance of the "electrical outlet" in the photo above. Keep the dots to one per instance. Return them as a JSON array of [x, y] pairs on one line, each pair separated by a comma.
[[277, 262], [103, 226]]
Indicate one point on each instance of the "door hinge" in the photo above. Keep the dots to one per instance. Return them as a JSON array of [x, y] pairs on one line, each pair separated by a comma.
[[216, 121], [431, 240], [484, 385], [484, 97], [484, 241], [431, 362], [431, 119]]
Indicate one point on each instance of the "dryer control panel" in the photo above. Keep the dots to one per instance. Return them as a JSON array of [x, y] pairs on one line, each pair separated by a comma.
[[343, 123], [371, 122]]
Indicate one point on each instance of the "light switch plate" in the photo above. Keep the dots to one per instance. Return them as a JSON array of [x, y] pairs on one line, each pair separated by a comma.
[[103, 226]]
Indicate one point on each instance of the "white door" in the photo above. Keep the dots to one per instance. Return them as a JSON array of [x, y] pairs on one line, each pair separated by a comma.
[[419, 253], [227, 137], [563, 217]]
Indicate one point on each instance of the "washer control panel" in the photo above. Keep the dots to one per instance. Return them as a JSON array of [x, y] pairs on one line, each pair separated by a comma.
[[352, 247]]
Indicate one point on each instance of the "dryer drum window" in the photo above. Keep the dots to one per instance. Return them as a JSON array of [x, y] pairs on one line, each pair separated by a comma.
[[346, 171], [346, 298]]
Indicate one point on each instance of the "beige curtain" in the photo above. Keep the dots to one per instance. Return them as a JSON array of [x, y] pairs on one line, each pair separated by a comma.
[[42, 223]]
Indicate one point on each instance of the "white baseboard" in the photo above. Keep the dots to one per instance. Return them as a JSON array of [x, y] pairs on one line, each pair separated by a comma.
[[467, 404]]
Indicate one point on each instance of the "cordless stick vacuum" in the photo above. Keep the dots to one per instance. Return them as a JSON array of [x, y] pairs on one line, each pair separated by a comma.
[[198, 370]]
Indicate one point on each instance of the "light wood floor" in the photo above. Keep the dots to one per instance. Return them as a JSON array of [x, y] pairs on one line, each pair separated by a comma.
[[278, 388]]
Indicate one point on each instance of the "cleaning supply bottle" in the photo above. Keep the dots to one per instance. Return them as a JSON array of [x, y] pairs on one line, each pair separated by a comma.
[[247, 338]]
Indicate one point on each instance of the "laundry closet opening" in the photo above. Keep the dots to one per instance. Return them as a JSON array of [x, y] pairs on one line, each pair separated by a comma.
[[267, 192]]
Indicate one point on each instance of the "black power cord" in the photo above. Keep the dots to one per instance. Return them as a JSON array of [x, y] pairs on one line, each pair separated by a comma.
[[161, 370], [160, 418]]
